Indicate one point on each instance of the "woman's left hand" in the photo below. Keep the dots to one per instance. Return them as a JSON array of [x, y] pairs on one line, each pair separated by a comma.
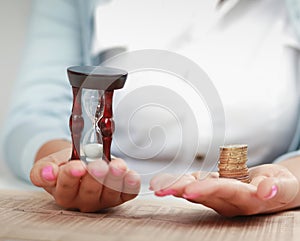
[[273, 188]]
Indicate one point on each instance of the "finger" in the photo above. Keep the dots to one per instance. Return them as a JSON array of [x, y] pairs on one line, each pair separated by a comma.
[[219, 205], [68, 182], [201, 175], [177, 187], [257, 179], [91, 186], [113, 184], [98, 170], [227, 196], [280, 190], [44, 174], [162, 181], [131, 186], [229, 190]]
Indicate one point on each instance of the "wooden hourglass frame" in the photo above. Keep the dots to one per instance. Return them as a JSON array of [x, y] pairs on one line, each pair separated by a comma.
[[94, 78]]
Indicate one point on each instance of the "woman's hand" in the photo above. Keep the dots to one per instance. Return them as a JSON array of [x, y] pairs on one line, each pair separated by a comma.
[[88, 188], [273, 188]]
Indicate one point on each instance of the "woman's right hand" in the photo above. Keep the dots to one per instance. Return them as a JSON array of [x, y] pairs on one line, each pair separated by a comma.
[[88, 188]]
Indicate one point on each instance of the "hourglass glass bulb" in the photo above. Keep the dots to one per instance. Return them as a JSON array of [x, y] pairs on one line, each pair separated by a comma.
[[99, 83], [92, 103]]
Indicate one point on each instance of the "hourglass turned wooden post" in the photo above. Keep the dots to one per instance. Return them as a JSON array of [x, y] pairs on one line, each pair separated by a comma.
[[95, 78], [106, 124], [76, 123]]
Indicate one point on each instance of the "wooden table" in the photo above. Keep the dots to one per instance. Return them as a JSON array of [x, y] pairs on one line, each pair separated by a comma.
[[28, 215]]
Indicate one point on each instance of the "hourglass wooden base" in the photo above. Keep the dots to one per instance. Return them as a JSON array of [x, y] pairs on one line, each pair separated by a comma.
[[95, 78]]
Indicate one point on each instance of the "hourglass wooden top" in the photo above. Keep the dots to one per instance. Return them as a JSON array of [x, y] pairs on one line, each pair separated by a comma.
[[97, 77]]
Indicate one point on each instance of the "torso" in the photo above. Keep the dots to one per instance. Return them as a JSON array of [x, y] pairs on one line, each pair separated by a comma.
[[247, 49]]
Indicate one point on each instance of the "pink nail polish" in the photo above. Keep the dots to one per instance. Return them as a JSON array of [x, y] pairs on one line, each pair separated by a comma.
[[117, 171], [47, 173], [273, 192], [132, 182], [98, 173], [159, 194], [190, 195], [167, 192], [76, 173]]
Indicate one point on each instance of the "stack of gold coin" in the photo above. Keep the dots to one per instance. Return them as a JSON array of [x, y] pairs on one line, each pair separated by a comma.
[[232, 162]]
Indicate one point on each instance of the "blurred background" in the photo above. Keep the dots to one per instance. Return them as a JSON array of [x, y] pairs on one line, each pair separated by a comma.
[[13, 20]]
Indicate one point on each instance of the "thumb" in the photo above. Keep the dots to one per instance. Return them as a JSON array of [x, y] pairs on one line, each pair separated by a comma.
[[44, 172], [281, 190]]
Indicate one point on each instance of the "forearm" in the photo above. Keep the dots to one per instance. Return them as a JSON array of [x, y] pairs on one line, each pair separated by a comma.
[[42, 97]]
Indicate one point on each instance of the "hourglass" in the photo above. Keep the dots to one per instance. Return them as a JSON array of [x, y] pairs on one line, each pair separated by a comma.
[[93, 88]]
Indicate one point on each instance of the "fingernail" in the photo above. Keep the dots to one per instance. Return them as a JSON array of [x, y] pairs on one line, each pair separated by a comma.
[[47, 173], [167, 192], [273, 192], [190, 195], [117, 171], [77, 173], [98, 173], [132, 182]]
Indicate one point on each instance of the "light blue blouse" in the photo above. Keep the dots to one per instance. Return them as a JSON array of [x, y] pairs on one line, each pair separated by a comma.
[[60, 35]]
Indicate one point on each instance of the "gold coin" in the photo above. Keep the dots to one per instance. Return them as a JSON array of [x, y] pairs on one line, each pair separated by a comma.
[[233, 157], [234, 147], [232, 167], [232, 162], [225, 149], [245, 179], [232, 173], [232, 153]]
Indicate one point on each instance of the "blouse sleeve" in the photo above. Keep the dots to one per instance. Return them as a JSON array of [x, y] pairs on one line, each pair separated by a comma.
[[41, 100], [294, 14]]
